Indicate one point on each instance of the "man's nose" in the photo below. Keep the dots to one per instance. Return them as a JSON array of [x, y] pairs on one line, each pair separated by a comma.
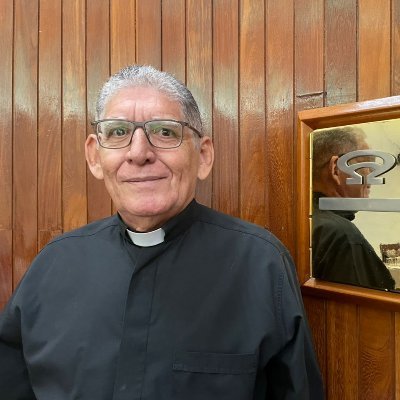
[[140, 148]]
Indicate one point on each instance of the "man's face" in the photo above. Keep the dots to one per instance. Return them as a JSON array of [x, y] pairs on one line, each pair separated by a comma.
[[149, 185], [356, 191]]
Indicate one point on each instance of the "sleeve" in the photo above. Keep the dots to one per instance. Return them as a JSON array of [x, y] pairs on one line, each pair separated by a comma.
[[14, 378], [293, 373]]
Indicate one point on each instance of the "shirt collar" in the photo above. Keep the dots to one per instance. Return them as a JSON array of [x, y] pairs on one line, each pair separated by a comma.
[[350, 215], [171, 229]]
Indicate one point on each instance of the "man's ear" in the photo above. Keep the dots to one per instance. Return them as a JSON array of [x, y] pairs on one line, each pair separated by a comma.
[[93, 157], [206, 157], [334, 170]]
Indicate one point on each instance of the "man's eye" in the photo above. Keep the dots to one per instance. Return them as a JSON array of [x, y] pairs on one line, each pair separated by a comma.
[[165, 132], [117, 132]]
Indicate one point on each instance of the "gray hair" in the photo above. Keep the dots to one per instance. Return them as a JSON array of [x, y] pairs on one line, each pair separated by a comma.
[[148, 76], [334, 141]]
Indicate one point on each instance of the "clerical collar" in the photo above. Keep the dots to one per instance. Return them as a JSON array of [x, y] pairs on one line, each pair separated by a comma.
[[147, 239], [173, 228]]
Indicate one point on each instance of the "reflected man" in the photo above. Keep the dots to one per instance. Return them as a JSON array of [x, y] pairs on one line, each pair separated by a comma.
[[340, 251]]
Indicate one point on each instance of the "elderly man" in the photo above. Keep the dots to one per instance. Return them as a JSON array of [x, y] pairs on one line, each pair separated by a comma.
[[340, 251], [167, 299]]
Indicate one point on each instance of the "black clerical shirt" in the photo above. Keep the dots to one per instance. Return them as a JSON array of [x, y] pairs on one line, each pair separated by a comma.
[[213, 312]]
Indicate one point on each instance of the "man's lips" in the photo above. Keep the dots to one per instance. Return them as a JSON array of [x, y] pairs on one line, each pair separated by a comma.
[[144, 179]]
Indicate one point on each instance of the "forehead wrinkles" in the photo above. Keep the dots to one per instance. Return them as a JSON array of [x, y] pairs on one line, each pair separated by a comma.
[[146, 103]]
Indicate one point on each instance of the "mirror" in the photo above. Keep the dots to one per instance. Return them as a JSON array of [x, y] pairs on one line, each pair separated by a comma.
[[355, 223]]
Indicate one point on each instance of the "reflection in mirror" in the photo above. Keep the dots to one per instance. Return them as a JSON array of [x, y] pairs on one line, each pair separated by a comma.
[[356, 204]]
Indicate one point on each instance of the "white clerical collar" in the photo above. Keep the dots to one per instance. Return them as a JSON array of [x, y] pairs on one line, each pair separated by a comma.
[[147, 239]]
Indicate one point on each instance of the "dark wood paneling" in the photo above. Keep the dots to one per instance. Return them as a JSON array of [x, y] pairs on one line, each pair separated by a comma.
[[6, 271], [317, 317], [341, 51], [252, 111], [97, 71], [395, 36], [49, 122], [374, 49], [199, 76], [376, 356], [25, 159], [225, 106], [74, 115], [174, 38], [122, 33], [148, 32], [6, 150], [342, 361], [279, 156], [396, 349]]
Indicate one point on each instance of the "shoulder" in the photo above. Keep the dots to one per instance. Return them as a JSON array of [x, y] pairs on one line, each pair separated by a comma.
[[328, 222], [96, 228], [247, 232]]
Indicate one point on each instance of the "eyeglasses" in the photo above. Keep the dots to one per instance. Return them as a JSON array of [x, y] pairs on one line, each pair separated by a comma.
[[161, 133]]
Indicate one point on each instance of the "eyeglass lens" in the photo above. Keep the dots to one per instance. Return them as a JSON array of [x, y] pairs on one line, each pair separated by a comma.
[[117, 133]]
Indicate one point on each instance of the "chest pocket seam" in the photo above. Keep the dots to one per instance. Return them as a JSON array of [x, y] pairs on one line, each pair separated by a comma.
[[215, 363]]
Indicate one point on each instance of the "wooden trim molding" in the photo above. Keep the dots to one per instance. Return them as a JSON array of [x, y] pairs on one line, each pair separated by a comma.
[[309, 120]]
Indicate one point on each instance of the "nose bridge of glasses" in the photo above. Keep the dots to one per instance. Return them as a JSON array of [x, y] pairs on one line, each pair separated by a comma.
[[141, 126]]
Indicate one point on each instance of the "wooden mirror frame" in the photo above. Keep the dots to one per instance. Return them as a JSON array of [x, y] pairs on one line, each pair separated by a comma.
[[327, 117]]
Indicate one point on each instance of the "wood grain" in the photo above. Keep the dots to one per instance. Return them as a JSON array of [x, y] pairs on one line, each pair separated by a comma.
[[395, 48], [225, 106], [199, 71], [340, 51], [374, 49], [174, 38], [97, 72], [279, 139], [6, 150], [74, 115], [49, 119], [316, 310], [376, 356], [252, 111], [148, 32], [122, 33], [342, 359], [25, 160]]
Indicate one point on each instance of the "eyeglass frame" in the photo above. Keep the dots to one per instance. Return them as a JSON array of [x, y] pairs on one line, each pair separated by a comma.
[[142, 125]]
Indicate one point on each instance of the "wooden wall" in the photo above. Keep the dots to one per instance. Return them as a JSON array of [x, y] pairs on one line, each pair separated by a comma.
[[252, 65]]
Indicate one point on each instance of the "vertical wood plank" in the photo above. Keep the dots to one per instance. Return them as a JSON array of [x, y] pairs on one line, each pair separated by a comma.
[[342, 354], [97, 72], [6, 149], [199, 71], [25, 135], [225, 106], [397, 355], [317, 319], [376, 356], [374, 49], [252, 111], [122, 33], [5, 266], [341, 51], [49, 121], [148, 32], [395, 36], [174, 38], [279, 110], [309, 53], [74, 115]]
